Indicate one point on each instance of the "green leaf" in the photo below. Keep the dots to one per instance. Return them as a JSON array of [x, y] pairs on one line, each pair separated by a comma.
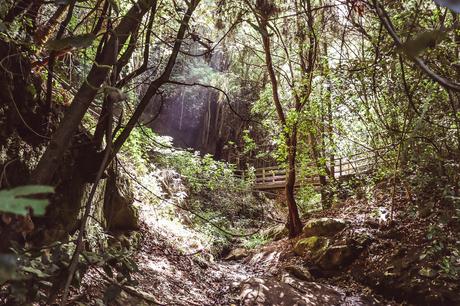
[[413, 47], [13, 201], [35, 271], [79, 42], [31, 189]]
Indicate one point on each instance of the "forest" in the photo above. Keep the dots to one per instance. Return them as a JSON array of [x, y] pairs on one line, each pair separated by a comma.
[[218, 152]]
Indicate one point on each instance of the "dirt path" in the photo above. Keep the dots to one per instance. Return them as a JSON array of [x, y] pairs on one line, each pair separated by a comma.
[[175, 278]]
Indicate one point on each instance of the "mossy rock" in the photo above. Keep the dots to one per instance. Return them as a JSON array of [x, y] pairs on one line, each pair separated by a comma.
[[323, 227], [299, 272], [277, 232], [312, 246], [119, 212]]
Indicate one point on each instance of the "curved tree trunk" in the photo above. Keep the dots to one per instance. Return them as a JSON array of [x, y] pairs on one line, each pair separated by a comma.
[[294, 223], [61, 139], [156, 84]]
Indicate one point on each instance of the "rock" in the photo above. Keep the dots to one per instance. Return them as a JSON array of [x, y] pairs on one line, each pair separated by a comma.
[[323, 227], [311, 246], [337, 256], [400, 272], [257, 291], [237, 254], [300, 272], [119, 212], [277, 232]]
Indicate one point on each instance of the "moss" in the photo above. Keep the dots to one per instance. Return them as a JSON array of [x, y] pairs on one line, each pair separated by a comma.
[[313, 246], [323, 227]]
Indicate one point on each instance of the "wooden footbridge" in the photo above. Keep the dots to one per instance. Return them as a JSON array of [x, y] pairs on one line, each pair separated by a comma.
[[274, 177]]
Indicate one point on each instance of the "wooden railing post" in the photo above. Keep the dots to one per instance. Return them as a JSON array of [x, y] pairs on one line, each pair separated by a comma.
[[340, 166], [263, 175]]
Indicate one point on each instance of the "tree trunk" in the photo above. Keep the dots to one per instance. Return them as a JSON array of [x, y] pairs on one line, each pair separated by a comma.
[[61, 139], [44, 32], [294, 223]]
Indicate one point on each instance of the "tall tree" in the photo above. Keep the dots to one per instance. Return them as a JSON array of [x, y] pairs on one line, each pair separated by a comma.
[[263, 11]]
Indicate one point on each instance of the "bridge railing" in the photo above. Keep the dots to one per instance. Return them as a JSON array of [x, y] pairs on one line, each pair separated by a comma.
[[357, 164], [274, 177]]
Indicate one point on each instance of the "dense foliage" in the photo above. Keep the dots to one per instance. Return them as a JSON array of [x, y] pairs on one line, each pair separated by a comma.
[[308, 85]]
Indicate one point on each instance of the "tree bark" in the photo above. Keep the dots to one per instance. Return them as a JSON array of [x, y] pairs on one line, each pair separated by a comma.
[[294, 223], [43, 32]]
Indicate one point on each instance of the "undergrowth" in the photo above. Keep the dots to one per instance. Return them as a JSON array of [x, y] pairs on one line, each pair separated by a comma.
[[196, 191]]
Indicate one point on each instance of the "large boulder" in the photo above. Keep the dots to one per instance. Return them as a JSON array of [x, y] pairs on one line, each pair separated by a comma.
[[337, 256], [323, 227], [313, 247]]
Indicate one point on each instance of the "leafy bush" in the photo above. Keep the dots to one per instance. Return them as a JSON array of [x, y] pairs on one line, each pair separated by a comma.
[[308, 199], [255, 241], [201, 173], [221, 202], [139, 145], [36, 275]]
